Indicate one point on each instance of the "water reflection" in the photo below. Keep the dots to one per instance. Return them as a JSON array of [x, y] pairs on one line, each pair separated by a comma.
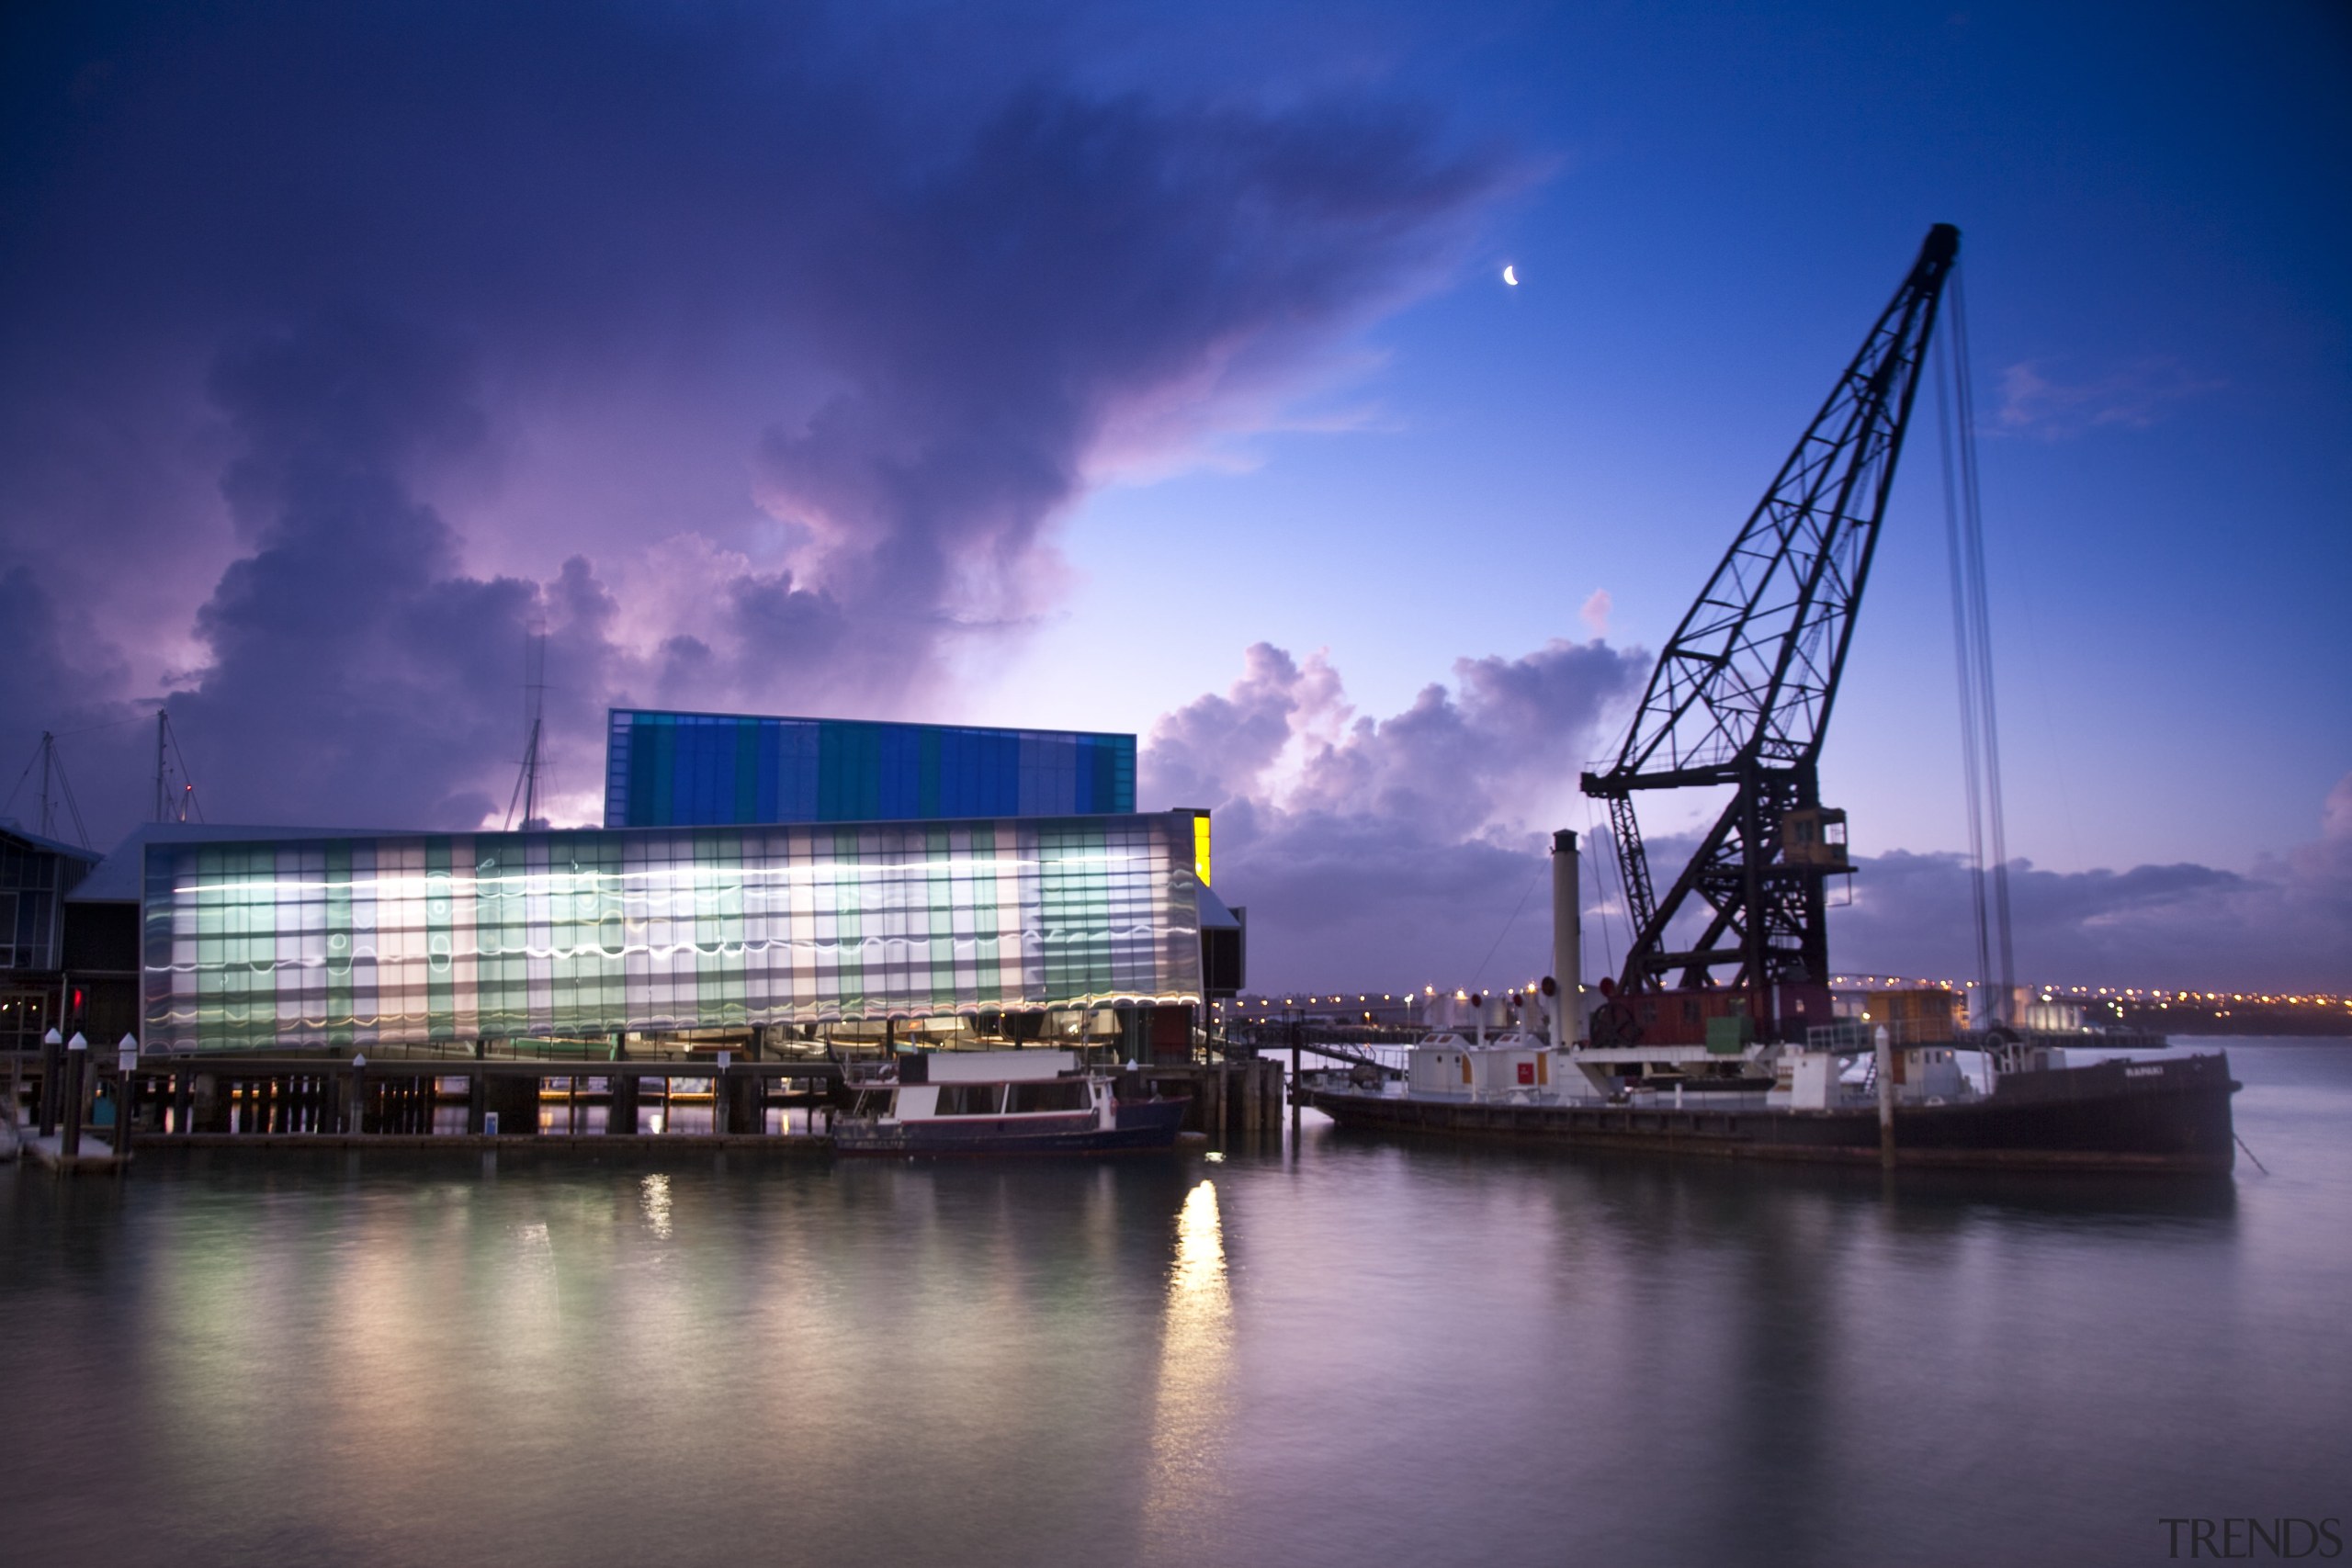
[[1351, 1352], [657, 1205], [1190, 1409]]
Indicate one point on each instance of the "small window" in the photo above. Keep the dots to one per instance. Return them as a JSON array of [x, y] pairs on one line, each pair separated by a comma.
[[970, 1099], [1061, 1094]]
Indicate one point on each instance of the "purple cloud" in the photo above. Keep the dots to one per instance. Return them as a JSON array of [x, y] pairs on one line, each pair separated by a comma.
[[757, 354], [2287, 925], [1378, 852], [2130, 396], [349, 652], [1409, 850]]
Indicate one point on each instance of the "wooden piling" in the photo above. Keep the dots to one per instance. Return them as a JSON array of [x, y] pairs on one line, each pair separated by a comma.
[[70, 1133], [1294, 1082]]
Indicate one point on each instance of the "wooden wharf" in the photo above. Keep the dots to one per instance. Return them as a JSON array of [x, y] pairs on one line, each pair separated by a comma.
[[452, 1103]]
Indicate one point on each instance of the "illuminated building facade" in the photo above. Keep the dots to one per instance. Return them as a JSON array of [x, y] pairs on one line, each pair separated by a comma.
[[676, 770], [334, 941]]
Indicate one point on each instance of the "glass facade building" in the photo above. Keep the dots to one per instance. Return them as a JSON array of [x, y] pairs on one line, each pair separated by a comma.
[[409, 939], [35, 876], [678, 769]]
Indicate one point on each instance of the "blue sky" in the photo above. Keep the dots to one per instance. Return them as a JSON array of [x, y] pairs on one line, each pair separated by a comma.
[[1034, 366], [2147, 232]]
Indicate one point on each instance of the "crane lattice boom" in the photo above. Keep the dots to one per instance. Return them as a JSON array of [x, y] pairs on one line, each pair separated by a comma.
[[1741, 694]]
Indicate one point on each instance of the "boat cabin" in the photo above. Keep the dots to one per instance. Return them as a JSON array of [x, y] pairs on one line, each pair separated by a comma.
[[1815, 1080], [993, 1084], [1513, 1064]]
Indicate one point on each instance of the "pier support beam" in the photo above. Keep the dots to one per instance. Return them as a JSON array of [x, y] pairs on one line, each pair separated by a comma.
[[52, 1075], [746, 1102], [517, 1099], [1297, 1032], [1883, 1067], [77, 1053]]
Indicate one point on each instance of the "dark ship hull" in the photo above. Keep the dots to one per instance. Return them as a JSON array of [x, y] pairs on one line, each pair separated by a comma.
[[2170, 1115]]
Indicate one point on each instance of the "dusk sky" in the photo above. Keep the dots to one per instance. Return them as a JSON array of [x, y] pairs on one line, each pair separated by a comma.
[[1152, 370]]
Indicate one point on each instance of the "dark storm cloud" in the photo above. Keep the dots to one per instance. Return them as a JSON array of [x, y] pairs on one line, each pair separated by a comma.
[[316, 310], [2286, 925], [1380, 853], [1079, 258], [349, 650]]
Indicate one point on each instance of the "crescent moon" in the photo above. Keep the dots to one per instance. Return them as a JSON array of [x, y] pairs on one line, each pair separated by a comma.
[[1510, 276]]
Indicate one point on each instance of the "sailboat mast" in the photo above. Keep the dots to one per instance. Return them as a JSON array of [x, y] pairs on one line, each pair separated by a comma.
[[47, 765]]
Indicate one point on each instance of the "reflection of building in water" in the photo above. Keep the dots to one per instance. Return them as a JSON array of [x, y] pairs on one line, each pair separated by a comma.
[[1194, 1359]]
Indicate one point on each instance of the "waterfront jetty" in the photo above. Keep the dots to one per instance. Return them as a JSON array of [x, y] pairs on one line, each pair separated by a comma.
[[297, 1102]]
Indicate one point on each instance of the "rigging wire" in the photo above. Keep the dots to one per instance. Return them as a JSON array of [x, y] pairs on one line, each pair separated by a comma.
[[535, 685], [1507, 925], [94, 728], [1972, 639], [1608, 943], [20, 780], [186, 799], [1971, 772], [72, 806], [52, 759], [1967, 400]]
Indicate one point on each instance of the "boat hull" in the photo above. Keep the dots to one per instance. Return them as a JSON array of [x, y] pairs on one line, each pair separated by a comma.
[[2157, 1116], [1141, 1126]]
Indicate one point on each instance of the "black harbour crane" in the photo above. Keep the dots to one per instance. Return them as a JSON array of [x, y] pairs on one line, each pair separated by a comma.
[[1741, 697]]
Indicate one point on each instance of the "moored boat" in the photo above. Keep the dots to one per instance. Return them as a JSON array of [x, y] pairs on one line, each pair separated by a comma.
[[2119, 1114], [1724, 991], [1002, 1102]]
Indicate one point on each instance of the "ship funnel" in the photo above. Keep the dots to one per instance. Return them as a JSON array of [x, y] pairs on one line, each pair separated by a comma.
[[1567, 941]]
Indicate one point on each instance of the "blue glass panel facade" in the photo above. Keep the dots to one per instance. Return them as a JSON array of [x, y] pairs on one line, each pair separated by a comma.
[[691, 769]]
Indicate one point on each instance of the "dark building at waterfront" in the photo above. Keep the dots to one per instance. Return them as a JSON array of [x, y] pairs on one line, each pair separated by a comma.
[[36, 876]]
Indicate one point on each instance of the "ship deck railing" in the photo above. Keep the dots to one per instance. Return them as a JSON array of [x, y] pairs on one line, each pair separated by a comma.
[[1851, 1036]]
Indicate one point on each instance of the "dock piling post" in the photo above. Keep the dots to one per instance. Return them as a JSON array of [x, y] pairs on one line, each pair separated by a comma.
[[126, 1094], [77, 1052], [1294, 1082], [53, 1069], [1883, 1067]]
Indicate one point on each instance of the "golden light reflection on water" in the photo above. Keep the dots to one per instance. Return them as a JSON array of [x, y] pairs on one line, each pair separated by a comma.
[[1195, 1361], [656, 1200]]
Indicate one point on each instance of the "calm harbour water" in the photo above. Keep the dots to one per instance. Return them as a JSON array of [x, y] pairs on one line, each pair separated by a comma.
[[1351, 1352]]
